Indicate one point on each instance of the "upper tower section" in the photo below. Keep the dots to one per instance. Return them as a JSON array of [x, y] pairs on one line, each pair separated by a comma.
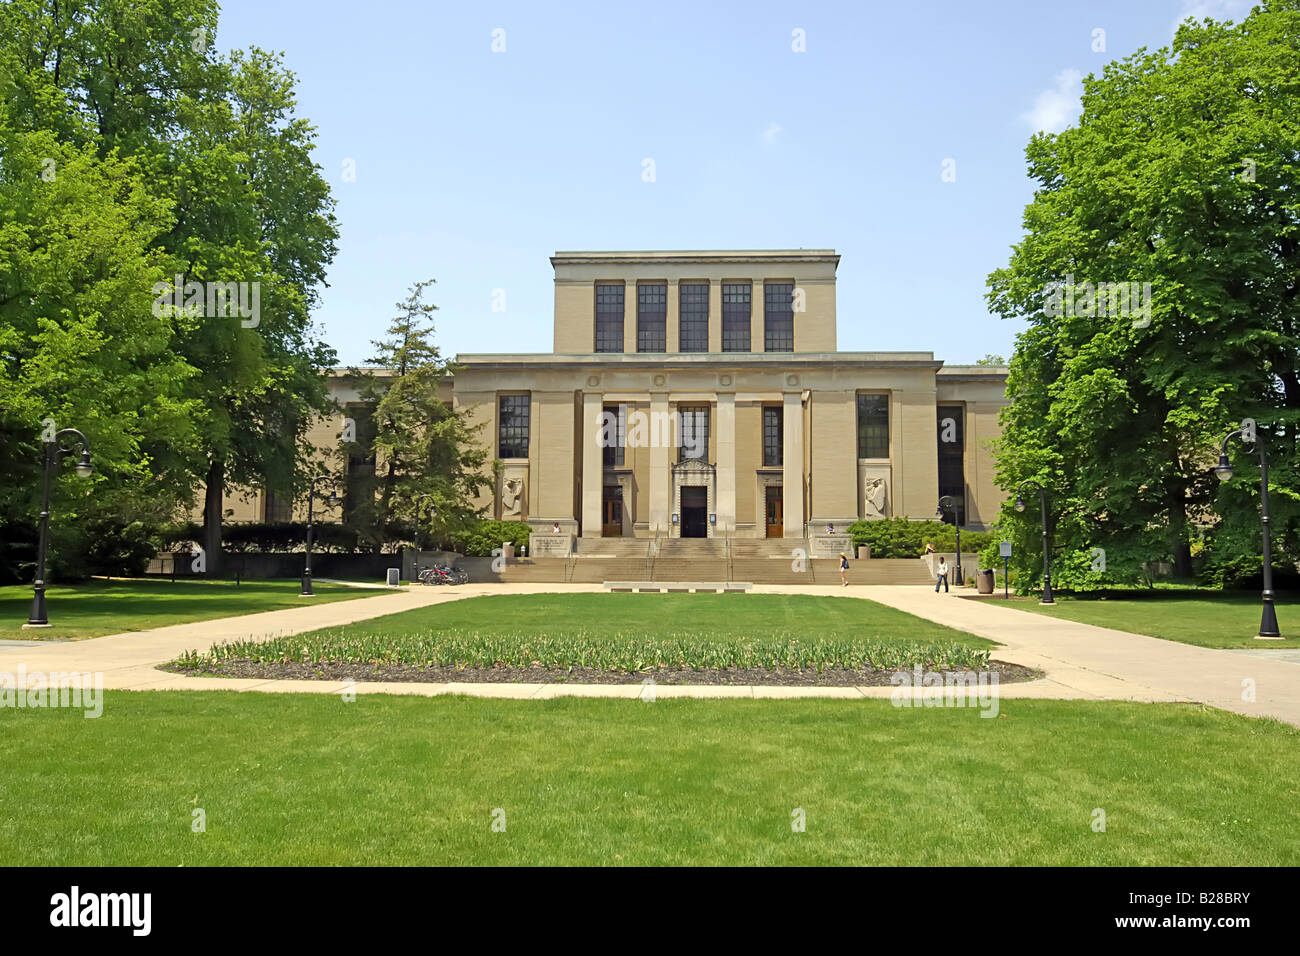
[[779, 300]]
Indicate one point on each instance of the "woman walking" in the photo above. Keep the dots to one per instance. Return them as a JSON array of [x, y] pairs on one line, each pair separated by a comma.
[[844, 569]]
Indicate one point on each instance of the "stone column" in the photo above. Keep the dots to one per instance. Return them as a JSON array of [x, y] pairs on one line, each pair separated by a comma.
[[756, 317], [726, 462], [792, 469], [673, 319], [715, 316], [629, 316], [593, 468], [660, 460]]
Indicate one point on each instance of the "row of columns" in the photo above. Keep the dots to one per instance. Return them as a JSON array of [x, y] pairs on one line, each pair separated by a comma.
[[661, 459]]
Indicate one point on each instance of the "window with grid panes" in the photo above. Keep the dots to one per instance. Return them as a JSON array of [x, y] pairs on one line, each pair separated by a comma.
[[693, 432], [652, 318], [778, 317], [873, 426], [609, 318], [735, 316], [693, 308], [512, 426], [773, 436]]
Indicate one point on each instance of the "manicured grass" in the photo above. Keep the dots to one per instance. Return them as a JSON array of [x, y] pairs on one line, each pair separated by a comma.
[[112, 607], [631, 632], [288, 779], [1191, 617]]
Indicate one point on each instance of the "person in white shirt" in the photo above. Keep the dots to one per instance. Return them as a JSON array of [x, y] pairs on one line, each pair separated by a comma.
[[941, 576]]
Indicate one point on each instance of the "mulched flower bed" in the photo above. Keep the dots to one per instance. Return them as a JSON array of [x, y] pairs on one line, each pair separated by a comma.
[[1007, 674]]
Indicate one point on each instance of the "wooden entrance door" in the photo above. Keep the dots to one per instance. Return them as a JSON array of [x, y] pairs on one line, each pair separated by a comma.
[[611, 512], [775, 513]]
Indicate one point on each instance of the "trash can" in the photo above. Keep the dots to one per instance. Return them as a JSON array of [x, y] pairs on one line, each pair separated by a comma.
[[984, 581], [508, 550], [864, 552]]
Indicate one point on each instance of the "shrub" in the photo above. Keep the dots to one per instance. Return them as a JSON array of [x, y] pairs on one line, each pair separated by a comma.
[[902, 538], [482, 537]]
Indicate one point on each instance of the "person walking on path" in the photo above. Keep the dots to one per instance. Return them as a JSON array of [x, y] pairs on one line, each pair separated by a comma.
[[941, 576], [844, 569]]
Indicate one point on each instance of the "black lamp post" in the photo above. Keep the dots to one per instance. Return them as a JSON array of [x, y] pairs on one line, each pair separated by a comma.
[[951, 503], [333, 501], [1047, 547], [1268, 628], [54, 453], [421, 502]]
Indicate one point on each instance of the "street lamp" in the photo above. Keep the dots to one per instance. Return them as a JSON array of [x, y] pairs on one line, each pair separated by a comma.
[[54, 452], [420, 501], [951, 503], [1047, 547], [1268, 629], [333, 501]]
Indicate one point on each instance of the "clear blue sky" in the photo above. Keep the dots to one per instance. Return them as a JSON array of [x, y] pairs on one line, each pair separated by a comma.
[[473, 167]]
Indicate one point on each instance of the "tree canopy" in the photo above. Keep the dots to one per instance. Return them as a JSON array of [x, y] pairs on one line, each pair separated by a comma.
[[1160, 278]]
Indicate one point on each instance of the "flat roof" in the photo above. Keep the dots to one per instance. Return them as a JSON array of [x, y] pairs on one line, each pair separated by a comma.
[[718, 359], [696, 255]]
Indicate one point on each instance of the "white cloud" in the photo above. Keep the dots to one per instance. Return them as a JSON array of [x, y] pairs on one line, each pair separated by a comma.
[[1233, 10], [769, 134], [1058, 106]]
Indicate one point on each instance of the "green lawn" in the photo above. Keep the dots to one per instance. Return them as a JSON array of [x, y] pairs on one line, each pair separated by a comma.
[[112, 607], [632, 632], [1192, 617], [288, 779]]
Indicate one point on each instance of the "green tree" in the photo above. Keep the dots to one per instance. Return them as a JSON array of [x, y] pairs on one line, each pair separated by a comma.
[[1179, 181], [217, 140], [420, 444]]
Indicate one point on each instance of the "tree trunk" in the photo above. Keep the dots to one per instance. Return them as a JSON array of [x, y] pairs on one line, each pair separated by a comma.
[[1179, 526], [216, 486]]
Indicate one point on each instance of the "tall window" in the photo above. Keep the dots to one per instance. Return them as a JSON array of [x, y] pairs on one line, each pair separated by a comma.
[[278, 508], [652, 318], [778, 317], [694, 311], [512, 426], [735, 316], [612, 454], [873, 426], [693, 432], [773, 436], [609, 318], [952, 454]]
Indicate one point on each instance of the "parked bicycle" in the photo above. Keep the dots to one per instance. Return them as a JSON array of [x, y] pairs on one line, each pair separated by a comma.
[[442, 574]]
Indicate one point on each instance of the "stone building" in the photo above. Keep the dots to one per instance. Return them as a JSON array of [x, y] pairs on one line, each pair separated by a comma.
[[701, 394]]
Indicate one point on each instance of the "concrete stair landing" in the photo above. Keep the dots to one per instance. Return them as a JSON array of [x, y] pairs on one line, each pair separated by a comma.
[[680, 561]]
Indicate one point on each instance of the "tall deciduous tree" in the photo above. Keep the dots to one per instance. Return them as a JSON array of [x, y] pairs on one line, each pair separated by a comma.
[[218, 142], [1182, 173]]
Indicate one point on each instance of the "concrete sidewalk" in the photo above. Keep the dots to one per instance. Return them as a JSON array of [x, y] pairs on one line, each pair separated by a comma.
[[1079, 661], [1113, 664]]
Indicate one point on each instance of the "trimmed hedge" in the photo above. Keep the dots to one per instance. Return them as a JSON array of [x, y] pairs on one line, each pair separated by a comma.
[[901, 538], [481, 538]]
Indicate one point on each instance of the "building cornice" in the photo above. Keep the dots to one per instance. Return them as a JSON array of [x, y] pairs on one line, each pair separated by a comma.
[[714, 361], [695, 257]]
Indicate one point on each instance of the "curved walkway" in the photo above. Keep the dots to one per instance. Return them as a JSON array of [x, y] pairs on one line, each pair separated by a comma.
[[1079, 661]]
